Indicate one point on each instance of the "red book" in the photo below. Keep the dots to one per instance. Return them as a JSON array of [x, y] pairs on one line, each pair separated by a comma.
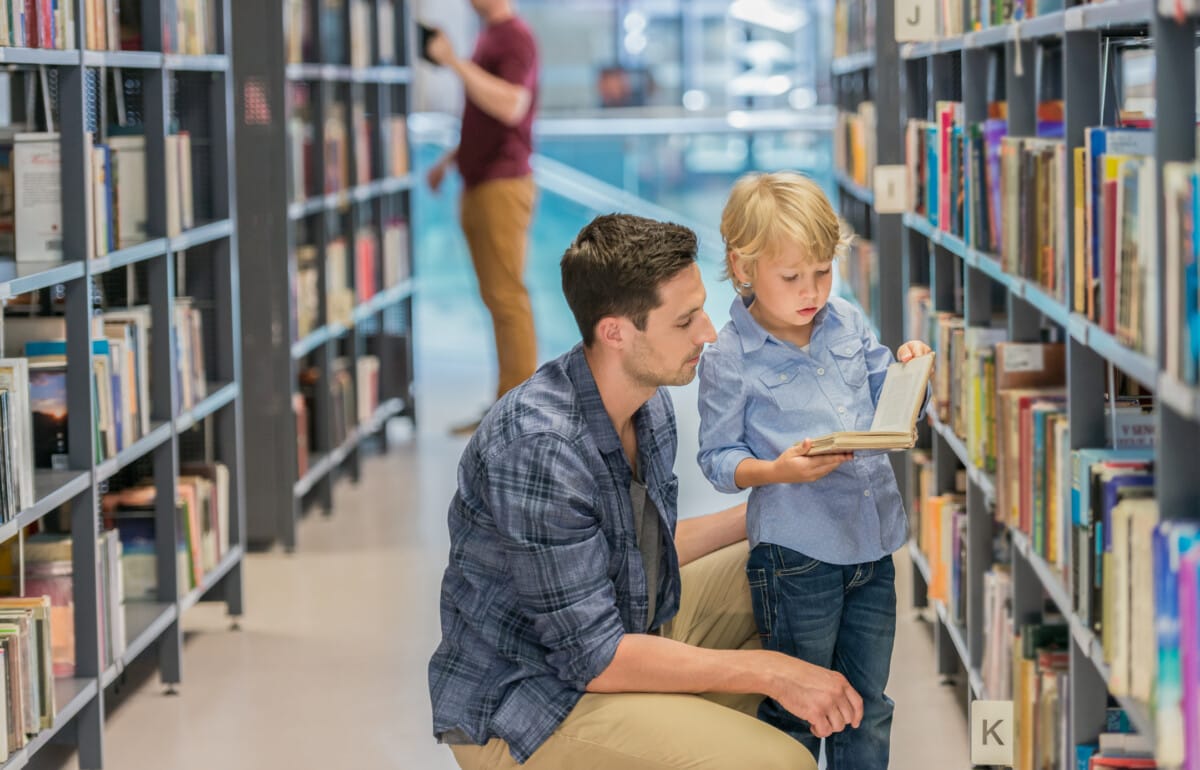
[[1130, 762]]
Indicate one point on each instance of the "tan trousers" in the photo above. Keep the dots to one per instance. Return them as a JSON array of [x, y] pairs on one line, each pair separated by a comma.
[[649, 731], [495, 219]]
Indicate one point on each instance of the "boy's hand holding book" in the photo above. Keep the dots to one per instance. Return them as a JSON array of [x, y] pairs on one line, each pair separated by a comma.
[[911, 350], [794, 466]]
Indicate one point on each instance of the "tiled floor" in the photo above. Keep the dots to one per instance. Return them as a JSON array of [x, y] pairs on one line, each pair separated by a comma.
[[328, 669]]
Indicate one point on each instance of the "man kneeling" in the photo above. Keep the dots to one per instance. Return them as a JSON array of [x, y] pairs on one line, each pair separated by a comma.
[[581, 626]]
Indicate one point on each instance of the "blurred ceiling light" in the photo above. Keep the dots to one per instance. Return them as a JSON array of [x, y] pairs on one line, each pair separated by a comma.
[[635, 43], [738, 119], [635, 21], [802, 98], [695, 100], [754, 84], [770, 13]]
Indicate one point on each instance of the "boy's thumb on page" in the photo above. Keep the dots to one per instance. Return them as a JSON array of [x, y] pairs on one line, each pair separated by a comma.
[[804, 446]]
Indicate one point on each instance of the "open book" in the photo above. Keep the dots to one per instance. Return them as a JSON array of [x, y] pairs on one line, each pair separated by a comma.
[[895, 423]]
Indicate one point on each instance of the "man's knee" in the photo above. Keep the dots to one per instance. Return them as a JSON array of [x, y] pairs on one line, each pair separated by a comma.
[[779, 751]]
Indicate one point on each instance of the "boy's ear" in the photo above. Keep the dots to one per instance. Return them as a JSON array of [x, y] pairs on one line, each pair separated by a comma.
[[735, 267]]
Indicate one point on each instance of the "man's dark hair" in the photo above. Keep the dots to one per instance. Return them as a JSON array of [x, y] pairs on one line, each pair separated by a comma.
[[617, 263]]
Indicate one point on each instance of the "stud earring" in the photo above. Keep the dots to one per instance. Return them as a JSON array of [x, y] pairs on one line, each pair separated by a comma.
[[747, 285]]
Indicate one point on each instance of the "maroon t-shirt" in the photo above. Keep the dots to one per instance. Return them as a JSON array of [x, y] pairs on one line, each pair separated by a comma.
[[488, 149]]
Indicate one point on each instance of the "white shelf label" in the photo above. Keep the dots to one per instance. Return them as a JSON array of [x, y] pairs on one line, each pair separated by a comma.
[[891, 189], [916, 20], [992, 732], [1023, 358]]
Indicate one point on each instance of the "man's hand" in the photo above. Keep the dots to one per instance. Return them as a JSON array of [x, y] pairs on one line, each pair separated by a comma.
[[436, 176], [821, 697], [794, 466], [440, 50], [911, 349]]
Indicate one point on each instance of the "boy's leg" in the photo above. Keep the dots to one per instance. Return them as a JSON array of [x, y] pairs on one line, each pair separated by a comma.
[[650, 731], [798, 607], [863, 656], [715, 612]]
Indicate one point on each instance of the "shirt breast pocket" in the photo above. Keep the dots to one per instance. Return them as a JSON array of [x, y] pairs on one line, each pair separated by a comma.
[[851, 362], [789, 387]]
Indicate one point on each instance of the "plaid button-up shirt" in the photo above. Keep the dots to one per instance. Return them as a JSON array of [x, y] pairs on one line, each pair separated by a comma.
[[545, 576]]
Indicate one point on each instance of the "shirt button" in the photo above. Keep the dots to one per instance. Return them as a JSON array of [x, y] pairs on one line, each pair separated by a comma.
[[866, 493], [841, 410], [782, 377], [821, 371]]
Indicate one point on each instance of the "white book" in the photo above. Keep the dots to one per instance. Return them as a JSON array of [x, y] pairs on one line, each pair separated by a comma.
[[139, 319], [174, 220], [129, 188], [187, 215], [100, 211], [14, 377], [895, 423], [37, 183]]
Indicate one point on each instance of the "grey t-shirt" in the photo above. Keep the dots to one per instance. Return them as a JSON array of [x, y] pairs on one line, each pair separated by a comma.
[[649, 536]]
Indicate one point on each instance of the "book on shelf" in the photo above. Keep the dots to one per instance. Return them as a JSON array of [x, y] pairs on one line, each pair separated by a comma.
[[894, 425], [17, 431], [37, 182], [1181, 281], [854, 147], [366, 378], [853, 27], [366, 263], [396, 267], [307, 295], [37, 24]]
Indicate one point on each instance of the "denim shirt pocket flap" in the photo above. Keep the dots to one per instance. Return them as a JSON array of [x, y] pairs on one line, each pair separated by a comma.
[[848, 354], [786, 385]]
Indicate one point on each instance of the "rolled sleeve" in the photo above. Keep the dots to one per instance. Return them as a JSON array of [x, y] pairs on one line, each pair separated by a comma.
[[542, 497], [722, 404]]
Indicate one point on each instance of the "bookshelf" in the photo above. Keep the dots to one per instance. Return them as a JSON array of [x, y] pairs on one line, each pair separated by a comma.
[[180, 264], [1069, 56], [324, 175]]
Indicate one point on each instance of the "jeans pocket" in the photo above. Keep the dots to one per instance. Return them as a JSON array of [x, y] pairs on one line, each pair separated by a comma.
[[789, 563], [760, 601]]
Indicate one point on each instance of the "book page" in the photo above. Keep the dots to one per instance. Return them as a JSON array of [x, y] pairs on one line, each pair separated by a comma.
[[902, 395]]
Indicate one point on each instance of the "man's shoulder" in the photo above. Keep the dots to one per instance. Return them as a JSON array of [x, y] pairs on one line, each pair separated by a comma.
[[547, 404]]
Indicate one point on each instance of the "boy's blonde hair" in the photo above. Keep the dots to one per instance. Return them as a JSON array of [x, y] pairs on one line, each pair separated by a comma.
[[765, 211]]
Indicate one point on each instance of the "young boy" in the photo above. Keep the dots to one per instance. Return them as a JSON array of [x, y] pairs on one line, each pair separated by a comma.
[[794, 363]]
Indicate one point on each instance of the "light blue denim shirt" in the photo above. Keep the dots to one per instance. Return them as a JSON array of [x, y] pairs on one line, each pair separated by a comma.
[[759, 395]]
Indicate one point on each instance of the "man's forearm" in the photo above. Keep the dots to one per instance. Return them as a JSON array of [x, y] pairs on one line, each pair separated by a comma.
[[504, 101], [702, 535], [645, 663]]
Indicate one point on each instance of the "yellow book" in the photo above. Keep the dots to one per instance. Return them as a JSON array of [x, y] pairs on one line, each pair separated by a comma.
[[1080, 251]]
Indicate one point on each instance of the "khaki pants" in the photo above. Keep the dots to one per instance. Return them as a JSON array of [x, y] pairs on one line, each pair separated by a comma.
[[495, 219], [645, 731]]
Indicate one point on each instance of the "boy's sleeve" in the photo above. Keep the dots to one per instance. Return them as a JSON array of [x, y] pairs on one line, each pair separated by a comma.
[[878, 357], [722, 419], [542, 498]]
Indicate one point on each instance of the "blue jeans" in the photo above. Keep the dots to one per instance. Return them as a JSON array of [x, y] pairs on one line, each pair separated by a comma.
[[841, 617]]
